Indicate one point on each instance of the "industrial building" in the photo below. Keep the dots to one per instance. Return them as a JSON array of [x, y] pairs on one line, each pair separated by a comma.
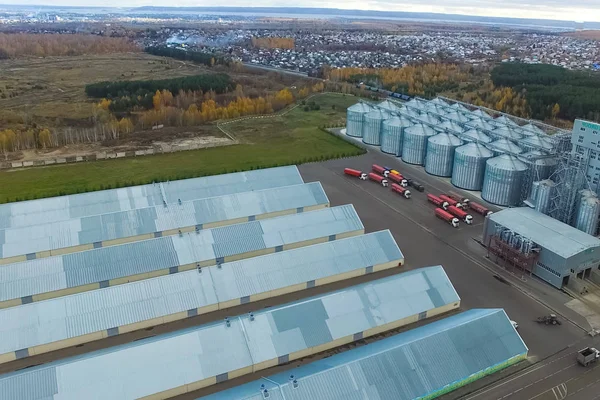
[[410, 365], [45, 278], [504, 157], [63, 322], [184, 361], [62, 208], [534, 242], [84, 233]]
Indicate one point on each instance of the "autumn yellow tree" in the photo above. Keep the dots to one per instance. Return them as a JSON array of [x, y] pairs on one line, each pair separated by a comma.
[[555, 110], [45, 138]]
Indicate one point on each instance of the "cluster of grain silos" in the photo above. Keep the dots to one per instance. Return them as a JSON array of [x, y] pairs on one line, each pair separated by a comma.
[[587, 212], [477, 151]]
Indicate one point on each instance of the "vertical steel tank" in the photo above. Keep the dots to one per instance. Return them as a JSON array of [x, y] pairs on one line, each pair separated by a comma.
[[460, 108], [439, 158], [535, 186], [450, 126], [469, 166], [587, 215], [481, 114], [481, 123], [355, 118], [474, 135], [439, 102], [414, 145], [392, 134], [429, 118], [542, 167], [503, 180], [531, 129], [457, 116], [544, 195], [504, 120], [535, 142], [372, 125], [506, 132], [502, 146], [389, 106]]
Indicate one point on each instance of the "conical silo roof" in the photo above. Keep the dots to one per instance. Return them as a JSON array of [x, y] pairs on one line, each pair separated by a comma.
[[457, 116], [360, 107], [475, 150], [505, 145], [537, 141], [530, 128], [481, 124], [529, 157], [401, 122], [415, 103], [505, 121], [507, 132], [429, 119], [481, 114], [460, 108], [388, 105], [377, 114], [507, 162], [420, 130], [476, 135], [439, 102], [445, 139], [451, 126]]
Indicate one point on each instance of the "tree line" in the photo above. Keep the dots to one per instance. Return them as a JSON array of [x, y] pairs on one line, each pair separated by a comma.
[[200, 57], [16, 45], [548, 88]]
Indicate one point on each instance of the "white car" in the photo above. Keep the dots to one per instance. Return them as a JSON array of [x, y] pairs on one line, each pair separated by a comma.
[[514, 324]]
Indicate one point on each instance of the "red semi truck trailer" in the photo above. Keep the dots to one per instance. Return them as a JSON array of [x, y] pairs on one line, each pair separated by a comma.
[[457, 212], [356, 173], [437, 201], [479, 208], [446, 216], [401, 190], [378, 178]]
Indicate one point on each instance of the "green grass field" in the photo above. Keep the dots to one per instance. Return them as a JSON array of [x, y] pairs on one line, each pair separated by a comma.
[[291, 139]]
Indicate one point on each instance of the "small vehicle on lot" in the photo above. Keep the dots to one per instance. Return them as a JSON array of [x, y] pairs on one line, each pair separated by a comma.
[[587, 356], [551, 319]]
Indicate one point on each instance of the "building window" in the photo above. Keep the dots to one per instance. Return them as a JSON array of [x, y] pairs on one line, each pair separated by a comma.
[[547, 268]]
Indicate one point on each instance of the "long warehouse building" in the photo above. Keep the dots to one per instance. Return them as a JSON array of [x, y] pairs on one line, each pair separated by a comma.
[[560, 251], [64, 322], [423, 363], [45, 278], [45, 240], [62, 208], [184, 361]]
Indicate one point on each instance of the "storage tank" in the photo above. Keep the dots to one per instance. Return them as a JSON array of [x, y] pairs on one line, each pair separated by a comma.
[[501, 146], [428, 118], [460, 108], [535, 186], [392, 133], [531, 129], [503, 180], [535, 142], [587, 215], [410, 112], [481, 114], [439, 158], [414, 144], [439, 102], [457, 116], [473, 135], [416, 103], [389, 106], [504, 120], [469, 166], [451, 126], [481, 124], [372, 125], [542, 167], [506, 132], [355, 118], [544, 195]]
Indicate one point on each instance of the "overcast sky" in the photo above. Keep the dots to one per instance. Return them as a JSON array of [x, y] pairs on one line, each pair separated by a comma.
[[574, 10]]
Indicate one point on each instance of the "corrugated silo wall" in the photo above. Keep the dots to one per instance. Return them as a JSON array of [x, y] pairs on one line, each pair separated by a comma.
[[468, 171], [391, 139], [371, 133], [502, 187], [439, 159], [354, 123], [414, 148]]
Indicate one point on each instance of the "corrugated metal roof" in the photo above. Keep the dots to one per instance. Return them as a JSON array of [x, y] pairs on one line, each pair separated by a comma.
[[548, 232], [44, 275], [75, 315], [35, 212], [164, 362], [409, 365], [98, 228]]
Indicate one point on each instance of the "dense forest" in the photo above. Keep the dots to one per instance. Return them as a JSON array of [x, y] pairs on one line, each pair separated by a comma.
[[577, 93], [45, 45], [209, 59]]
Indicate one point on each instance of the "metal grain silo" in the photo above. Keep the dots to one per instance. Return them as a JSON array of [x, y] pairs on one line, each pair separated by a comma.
[[439, 158], [457, 116], [475, 135], [372, 125], [416, 103], [439, 102], [355, 118], [409, 112], [414, 144], [504, 120], [451, 126], [503, 180], [428, 118], [535, 142], [506, 132], [544, 195], [460, 108], [504, 145], [535, 186], [481, 114], [587, 215], [469, 166], [531, 129], [392, 134], [542, 167], [480, 123], [389, 106]]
